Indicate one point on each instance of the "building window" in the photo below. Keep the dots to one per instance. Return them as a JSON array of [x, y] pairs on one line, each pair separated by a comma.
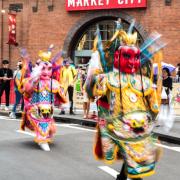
[[85, 44]]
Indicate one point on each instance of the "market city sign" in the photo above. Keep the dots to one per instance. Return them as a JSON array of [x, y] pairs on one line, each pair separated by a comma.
[[78, 5]]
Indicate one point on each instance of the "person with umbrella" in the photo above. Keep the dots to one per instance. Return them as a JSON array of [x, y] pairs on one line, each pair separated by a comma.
[[165, 115]]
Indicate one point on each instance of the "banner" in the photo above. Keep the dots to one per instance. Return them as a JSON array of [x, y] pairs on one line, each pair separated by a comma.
[[79, 5], [12, 29]]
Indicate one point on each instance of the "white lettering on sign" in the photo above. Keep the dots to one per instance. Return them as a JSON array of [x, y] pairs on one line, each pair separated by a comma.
[[79, 3], [129, 1], [86, 2], [93, 2], [120, 1], [100, 3], [96, 3], [71, 3]]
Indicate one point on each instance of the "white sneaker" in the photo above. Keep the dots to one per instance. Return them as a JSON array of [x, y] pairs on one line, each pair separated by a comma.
[[6, 108], [12, 115], [44, 146]]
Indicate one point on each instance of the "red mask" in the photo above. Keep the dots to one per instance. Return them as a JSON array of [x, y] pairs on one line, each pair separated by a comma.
[[129, 59]]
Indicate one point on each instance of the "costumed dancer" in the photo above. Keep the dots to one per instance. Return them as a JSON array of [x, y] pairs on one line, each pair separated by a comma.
[[39, 90], [127, 101]]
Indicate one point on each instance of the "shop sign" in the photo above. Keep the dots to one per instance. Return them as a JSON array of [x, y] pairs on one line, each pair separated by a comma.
[[78, 5]]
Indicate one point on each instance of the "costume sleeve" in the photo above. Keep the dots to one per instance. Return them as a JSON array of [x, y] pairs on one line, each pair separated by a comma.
[[96, 85], [58, 89], [154, 101], [100, 87]]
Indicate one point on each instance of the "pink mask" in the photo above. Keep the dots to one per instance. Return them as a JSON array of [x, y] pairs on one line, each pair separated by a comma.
[[46, 70], [129, 59]]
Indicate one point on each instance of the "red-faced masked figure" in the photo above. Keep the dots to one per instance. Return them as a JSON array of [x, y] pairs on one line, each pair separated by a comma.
[[127, 59]]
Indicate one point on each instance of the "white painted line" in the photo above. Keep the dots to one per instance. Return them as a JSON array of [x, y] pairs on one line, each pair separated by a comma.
[[9, 119], [25, 132], [177, 149], [74, 127], [109, 170], [169, 147]]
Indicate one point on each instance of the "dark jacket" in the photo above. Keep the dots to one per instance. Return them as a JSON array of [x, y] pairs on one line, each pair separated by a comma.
[[168, 84], [5, 72]]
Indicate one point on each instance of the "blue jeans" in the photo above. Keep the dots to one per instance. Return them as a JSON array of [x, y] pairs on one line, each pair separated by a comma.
[[17, 101]]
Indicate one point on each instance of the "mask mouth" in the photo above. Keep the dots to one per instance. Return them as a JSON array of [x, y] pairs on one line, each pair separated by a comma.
[[131, 67], [46, 115], [45, 76], [138, 130]]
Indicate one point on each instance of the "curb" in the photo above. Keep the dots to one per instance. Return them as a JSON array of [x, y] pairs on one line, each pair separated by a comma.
[[168, 138], [75, 120], [92, 123]]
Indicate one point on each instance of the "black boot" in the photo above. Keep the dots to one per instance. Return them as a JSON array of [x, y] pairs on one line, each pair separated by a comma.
[[122, 175]]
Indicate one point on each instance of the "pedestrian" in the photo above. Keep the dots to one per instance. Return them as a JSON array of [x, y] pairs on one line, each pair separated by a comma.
[[178, 73], [165, 118], [6, 74], [86, 100], [68, 76], [18, 95]]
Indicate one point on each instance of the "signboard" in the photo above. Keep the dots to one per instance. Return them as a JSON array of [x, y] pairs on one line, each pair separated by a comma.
[[79, 5]]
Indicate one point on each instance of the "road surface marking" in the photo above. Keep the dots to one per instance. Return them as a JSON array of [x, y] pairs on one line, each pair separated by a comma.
[[9, 119], [74, 127], [109, 170], [169, 147], [177, 149], [25, 132]]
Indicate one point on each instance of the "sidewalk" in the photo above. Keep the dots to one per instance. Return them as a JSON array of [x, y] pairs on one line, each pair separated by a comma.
[[173, 136]]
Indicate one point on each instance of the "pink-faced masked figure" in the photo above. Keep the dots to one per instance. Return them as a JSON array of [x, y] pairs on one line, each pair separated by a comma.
[[39, 90]]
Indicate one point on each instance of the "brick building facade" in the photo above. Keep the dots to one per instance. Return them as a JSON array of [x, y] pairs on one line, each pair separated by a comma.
[[37, 30]]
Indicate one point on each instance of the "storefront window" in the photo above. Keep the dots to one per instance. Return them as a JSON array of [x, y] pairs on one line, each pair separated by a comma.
[[85, 43]]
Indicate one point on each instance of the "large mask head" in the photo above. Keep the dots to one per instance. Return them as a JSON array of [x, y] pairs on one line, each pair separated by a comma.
[[45, 64], [127, 59], [46, 70]]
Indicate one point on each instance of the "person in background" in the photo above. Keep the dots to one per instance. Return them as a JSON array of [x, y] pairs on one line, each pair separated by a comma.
[[18, 95], [68, 76], [86, 100], [165, 118], [6, 74], [178, 73], [167, 84]]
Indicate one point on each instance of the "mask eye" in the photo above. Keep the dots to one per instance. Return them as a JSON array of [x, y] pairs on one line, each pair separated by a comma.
[[126, 56], [137, 56], [49, 68]]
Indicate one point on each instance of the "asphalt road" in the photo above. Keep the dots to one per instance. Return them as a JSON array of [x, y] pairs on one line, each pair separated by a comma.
[[70, 158]]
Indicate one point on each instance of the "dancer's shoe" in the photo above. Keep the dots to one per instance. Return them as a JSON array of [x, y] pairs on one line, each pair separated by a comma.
[[44, 146]]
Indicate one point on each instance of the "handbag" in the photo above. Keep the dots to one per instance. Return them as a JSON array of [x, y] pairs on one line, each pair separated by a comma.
[[164, 97]]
